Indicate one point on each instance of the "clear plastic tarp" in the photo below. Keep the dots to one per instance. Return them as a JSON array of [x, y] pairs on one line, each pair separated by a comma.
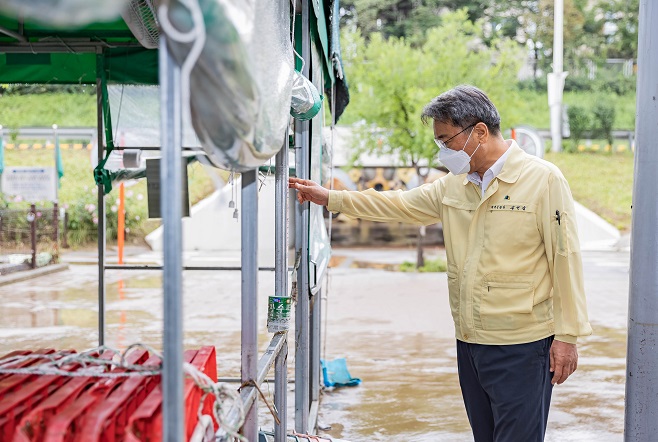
[[135, 112], [240, 87], [319, 243]]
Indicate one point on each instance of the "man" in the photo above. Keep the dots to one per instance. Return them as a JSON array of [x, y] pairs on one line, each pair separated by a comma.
[[514, 267]]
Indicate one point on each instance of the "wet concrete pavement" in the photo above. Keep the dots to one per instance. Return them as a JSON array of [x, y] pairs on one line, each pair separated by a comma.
[[394, 329]]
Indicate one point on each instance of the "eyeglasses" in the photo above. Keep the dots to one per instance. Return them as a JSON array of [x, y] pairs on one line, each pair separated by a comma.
[[442, 144]]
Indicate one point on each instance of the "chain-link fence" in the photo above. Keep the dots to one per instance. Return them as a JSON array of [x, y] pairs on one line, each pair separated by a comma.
[[29, 237]]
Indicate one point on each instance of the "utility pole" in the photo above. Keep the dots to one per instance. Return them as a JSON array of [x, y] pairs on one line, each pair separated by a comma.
[[556, 78], [641, 417]]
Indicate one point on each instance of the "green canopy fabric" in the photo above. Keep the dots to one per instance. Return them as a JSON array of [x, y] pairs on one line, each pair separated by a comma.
[[63, 56], [125, 60]]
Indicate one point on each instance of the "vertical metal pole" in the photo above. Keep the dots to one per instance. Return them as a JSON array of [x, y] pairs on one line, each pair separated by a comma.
[[302, 402], [65, 230], [55, 223], [249, 234], [302, 144], [33, 234], [316, 321], [100, 205], [556, 79], [641, 419], [121, 223], [281, 282], [56, 227], [281, 392], [172, 275]]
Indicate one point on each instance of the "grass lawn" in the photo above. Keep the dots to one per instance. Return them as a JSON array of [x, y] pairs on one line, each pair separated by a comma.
[[47, 109], [601, 182], [536, 113]]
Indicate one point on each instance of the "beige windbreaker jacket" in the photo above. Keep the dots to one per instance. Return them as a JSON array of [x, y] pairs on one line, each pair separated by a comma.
[[514, 266]]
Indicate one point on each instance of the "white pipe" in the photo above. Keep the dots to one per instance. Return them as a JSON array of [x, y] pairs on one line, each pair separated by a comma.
[[556, 79]]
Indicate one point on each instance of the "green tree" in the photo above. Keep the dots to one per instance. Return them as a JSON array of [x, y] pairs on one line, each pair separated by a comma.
[[541, 32], [391, 82], [621, 17], [409, 19], [594, 29]]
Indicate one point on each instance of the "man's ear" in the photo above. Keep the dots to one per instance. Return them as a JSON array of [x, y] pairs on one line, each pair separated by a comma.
[[481, 133]]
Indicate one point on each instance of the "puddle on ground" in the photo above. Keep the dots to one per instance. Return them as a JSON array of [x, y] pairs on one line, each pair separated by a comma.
[[391, 327]]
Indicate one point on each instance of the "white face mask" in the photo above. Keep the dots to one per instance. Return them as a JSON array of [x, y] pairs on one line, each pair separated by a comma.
[[457, 161]]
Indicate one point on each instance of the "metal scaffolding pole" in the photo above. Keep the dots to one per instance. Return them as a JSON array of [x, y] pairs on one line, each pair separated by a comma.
[[249, 333], [314, 370], [101, 201], [281, 393], [281, 281], [641, 417], [556, 78], [302, 147], [172, 275], [302, 401]]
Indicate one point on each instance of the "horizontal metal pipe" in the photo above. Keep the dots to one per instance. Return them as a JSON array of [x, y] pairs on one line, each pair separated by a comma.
[[267, 360], [249, 393], [156, 267], [36, 47], [238, 380]]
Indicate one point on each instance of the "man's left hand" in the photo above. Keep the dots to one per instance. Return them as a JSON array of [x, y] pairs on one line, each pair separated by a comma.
[[564, 361]]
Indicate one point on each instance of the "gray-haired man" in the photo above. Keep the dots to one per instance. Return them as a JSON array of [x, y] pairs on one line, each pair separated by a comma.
[[514, 267]]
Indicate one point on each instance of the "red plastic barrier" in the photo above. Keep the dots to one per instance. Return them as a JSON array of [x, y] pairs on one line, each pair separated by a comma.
[[9, 381], [107, 420], [33, 425], [49, 408], [205, 361], [63, 426], [28, 395], [146, 423], [11, 355]]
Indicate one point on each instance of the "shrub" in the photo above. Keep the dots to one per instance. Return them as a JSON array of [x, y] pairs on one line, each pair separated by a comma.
[[604, 116], [579, 122], [538, 84], [577, 83], [431, 265], [608, 82]]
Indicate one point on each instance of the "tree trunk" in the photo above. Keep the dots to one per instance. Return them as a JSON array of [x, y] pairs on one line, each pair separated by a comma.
[[420, 259]]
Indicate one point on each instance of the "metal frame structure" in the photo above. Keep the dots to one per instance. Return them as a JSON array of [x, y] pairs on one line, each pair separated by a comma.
[[254, 371], [302, 219], [308, 320]]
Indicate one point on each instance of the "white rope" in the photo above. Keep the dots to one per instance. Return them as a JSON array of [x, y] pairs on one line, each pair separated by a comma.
[[224, 395], [90, 366]]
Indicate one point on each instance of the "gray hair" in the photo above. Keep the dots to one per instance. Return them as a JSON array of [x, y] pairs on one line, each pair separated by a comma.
[[463, 106]]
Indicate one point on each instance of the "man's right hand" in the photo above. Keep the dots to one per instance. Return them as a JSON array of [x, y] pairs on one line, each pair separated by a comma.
[[308, 190]]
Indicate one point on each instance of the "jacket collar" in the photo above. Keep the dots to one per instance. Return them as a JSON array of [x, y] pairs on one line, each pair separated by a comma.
[[513, 165]]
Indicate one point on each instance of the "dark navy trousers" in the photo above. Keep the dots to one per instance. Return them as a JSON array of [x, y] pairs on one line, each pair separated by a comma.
[[506, 389]]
